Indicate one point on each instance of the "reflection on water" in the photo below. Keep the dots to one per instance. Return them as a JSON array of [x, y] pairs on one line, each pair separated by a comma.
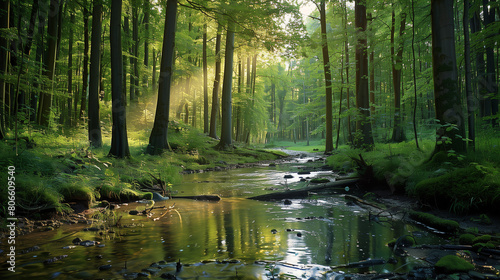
[[324, 231]]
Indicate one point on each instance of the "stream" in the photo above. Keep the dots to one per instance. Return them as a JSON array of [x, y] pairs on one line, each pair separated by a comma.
[[234, 238]]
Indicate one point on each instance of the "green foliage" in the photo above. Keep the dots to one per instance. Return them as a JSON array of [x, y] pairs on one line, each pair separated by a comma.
[[452, 263], [461, 190]]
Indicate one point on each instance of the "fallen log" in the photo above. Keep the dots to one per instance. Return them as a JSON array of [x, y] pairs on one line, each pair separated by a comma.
[[305, 192], [199, 197]]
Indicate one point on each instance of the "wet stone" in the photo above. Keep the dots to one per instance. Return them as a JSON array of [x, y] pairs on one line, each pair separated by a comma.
[[168, 276], [87, 243], [105, 267], [133, 212]]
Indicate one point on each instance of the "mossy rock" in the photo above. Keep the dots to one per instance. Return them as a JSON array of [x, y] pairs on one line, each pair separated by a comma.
[[435, 222], [454, 190], [466, 239], [479, 246], [481, 239], [403, 241], [123, 193], [319, 180], [452, 264]]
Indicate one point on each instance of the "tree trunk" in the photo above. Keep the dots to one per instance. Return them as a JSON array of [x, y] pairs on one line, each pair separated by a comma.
[[328, 80], [215, 93], [226, 135], [85, 71], [205, 82], [95, 137], [4, 24], [372, 70], [398, 134], [491, 83], [158, 140], [444, 69], [135, 39], [468, 78], [70, 69], [364, 138], [146, 43], [119, 140], [45, 101]]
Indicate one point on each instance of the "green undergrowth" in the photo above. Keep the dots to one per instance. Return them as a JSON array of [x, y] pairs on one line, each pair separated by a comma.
[[62, 169], [462, 184], [314, 145], [392, 163]]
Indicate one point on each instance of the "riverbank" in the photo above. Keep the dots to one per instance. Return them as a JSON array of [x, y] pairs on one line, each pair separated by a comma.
[[393, 206]]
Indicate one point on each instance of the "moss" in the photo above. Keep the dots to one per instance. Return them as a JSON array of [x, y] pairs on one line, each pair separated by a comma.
[[466, 239], [403, 241], [435, 222], [319, 180], [461, 190], [452, 263], [481, 239], [479, 246]]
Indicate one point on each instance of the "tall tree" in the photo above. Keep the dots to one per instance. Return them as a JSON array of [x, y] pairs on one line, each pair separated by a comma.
[[444, 69], [45, 101], [215, 92], [226, 140], [94, 124], [364, 137], [398, 134], [205, 81], [158, 140], [70, 68], [328, 80], [4, 24], [468, 78], [145, 21], [85, 72], [119, 140]]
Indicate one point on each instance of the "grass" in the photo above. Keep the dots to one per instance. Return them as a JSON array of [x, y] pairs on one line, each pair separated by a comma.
[[62, 168]]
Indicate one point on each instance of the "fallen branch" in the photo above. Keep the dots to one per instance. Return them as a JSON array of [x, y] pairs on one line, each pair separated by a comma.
[[304, 192]]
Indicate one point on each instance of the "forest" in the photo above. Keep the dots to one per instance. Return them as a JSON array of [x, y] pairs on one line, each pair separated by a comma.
[[132, 104], [97, 95]]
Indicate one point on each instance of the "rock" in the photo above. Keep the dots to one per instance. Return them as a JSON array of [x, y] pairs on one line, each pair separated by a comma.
[[133, 212], [288, 176], [304, 172], [452, 264], [133, 275], [299, 234], [105, 267], [158, 197], [88, 243], [287, 202], [54, 259], [69, 247], [274, 231], [168, 276], [30, 249]]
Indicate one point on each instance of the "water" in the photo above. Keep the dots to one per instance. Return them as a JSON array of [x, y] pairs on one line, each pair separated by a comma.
[[321, 231]]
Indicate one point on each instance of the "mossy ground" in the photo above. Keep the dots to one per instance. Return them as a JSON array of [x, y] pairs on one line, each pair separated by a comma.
[[461, 184], [62, 168]]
